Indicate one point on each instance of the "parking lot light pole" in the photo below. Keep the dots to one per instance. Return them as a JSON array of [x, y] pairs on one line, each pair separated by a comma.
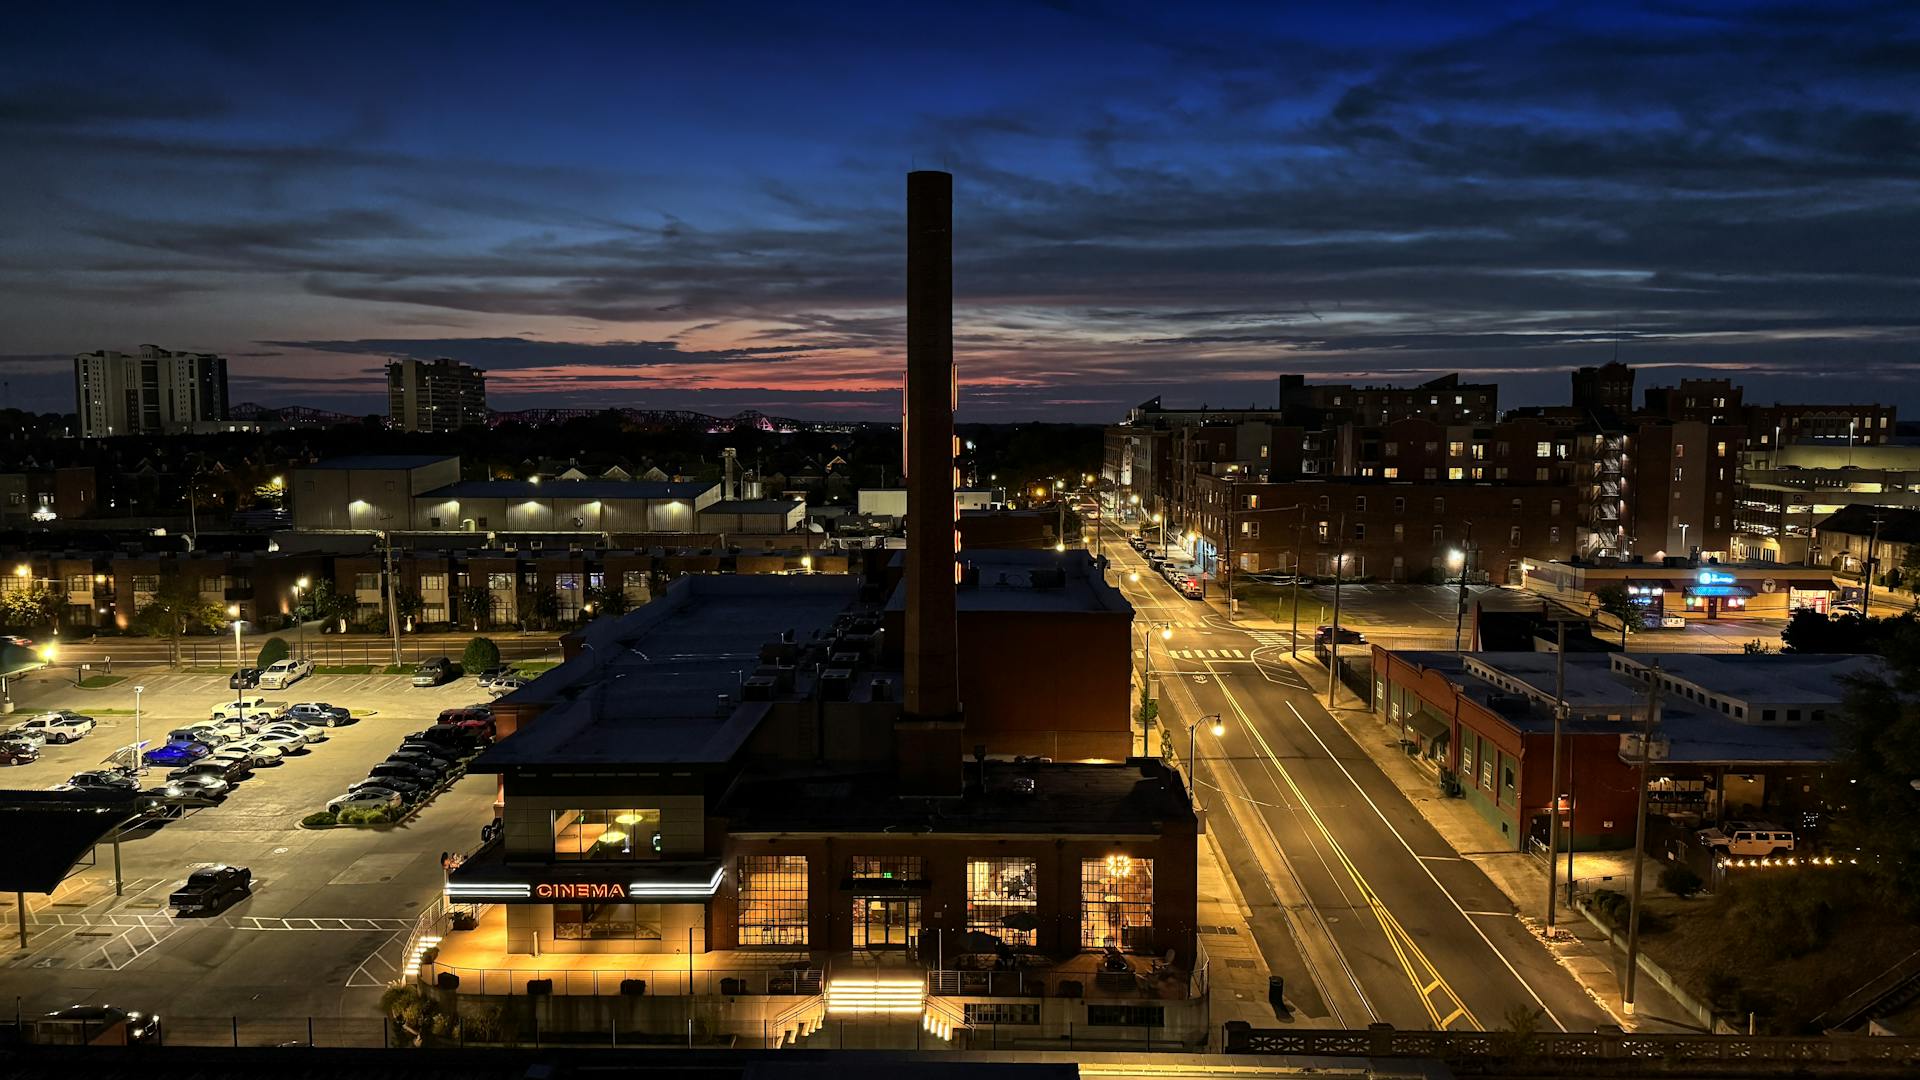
[[233, 612], [1146, 641], [140, 759], [298, 588]]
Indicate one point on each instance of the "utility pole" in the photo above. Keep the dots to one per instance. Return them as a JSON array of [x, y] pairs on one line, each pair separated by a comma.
[[1460, 612], [1299, 538], [1226, 551], [1866, 604], [1333, 643], [393, 599], [1553, 788], [1640, 833]]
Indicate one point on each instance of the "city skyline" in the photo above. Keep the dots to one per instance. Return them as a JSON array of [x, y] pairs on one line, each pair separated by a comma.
[[1182, 204]]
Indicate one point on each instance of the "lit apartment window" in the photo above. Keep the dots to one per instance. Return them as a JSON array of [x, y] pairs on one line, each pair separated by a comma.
[[1720, 449], [1320, 531], [1479, 451], [1678, 473], [1116, 901], [1263, 451], [1679, 450], [1003, 896], [1456, 448], [1543, 449], [1253, 502], [773, 899], [1479, 472], [1542, 473], [1391, 472], [1456, 473], [1399, 532]]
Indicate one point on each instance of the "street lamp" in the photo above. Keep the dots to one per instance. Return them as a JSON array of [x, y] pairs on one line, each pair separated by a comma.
[[1193, 762], [233, 612], [1146, 646], [299, 587], [139, 759]]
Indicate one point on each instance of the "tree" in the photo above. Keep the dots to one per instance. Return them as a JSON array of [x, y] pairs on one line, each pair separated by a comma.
[[30, 608], [1910, 562], [176, 607], [1879, 760], [408, 601], [481, 654], [272, 651], [546, 606], [1614, 600], [1810, 631], [607, 600], [476, 605], [327, 604]]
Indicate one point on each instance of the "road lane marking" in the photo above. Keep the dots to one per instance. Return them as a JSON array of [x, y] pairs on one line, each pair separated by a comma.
[[1413, 960], [1508, 964]]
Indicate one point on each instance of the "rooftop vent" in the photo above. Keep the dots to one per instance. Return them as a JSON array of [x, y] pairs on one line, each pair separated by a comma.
[[722, 704], [883, 689]]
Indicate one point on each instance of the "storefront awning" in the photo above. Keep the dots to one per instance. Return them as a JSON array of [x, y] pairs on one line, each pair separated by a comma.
[[1427, 724], [667, 881]]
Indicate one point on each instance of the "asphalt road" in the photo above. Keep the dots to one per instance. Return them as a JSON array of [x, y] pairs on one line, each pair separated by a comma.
[[1393, 925]]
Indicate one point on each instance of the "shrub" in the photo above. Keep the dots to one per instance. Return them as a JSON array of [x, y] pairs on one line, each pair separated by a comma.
[[408, 1004], [481, 654], [365, 815], [484, 1023], [1722, 987], [1784, 917], [1609, 905], [1681, 881], [322, 819], [272, 652]]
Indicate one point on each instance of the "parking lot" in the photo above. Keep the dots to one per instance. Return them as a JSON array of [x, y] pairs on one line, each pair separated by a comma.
[[321, 932]]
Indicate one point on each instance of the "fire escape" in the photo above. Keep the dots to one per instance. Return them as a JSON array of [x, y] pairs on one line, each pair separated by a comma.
[[1606, 497]]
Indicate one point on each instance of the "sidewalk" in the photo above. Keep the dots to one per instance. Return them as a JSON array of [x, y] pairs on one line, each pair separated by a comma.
[[1236, 971], [1579, 946]]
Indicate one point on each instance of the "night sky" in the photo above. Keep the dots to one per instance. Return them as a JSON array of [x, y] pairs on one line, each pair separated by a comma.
[[702, 206]]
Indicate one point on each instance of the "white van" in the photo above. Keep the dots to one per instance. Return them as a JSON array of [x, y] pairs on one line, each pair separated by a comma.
[[1746, 838], [285, 673]]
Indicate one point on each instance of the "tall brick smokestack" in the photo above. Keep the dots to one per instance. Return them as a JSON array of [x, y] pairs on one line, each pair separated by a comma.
[[929, 737]]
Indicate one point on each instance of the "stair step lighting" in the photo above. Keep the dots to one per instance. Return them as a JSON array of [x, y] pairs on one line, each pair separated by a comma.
[[876, 996]]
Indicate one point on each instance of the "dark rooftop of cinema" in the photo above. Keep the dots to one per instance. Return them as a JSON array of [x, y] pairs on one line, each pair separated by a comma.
[[1063, 798], [645, 686]]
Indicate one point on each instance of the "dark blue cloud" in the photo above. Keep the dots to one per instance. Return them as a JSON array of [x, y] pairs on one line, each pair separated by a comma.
[[1180, 199]]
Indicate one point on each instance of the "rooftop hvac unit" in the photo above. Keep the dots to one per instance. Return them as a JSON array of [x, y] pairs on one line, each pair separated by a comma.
[[510, 547], [534, 545], [757, 688], [883, 689], [836, 684]]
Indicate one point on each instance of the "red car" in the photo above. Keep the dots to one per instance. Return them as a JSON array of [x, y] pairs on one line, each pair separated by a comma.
[[14, 753], [476, 720]]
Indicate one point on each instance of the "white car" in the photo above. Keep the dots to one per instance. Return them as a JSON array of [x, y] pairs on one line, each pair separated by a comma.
[[367, 799], [304, 732], [252, 754], [284, 673], [246, 710], [60, 726], [289, 742]]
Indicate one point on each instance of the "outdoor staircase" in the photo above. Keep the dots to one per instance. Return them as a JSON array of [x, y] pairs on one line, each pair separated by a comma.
[[866, 1006], [800, 1020]]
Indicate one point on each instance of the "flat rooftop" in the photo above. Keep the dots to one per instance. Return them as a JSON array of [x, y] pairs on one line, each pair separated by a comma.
[[1013, 579], [572, 489], [1696, 735], [381, 461], [1065, 798], [1809, 678], [646, 686], [754, 506]]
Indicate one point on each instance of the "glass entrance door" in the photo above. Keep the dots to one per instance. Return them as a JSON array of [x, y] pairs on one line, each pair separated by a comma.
[[885, 922]]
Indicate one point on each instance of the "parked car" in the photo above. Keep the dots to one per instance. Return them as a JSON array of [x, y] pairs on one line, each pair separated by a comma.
[[226, 769], [410, 790], [244, 679], [202, 786], [16, 753], [107, 779], [476, 720], [435, 670], [255, 755], [311, 733], [284, 673], [288, 741], [448, 754], [177, 752], [486, 677], [449, 735], [61, 725], [251, 709], [404, 771], [1155, 560], [211, 735], [211, 888], [1348, 636], [1192, 589], [507, 684], [1748, 838], [84, 1024], [367, 798], [420, 759], [33, 740], [318, 712], [1137, 542]]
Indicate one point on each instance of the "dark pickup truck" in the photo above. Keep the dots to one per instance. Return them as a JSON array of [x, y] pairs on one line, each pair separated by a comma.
[[211, 888]]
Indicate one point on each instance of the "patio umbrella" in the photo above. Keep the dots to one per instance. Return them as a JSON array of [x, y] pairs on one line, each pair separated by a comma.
[[1020, 920]]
